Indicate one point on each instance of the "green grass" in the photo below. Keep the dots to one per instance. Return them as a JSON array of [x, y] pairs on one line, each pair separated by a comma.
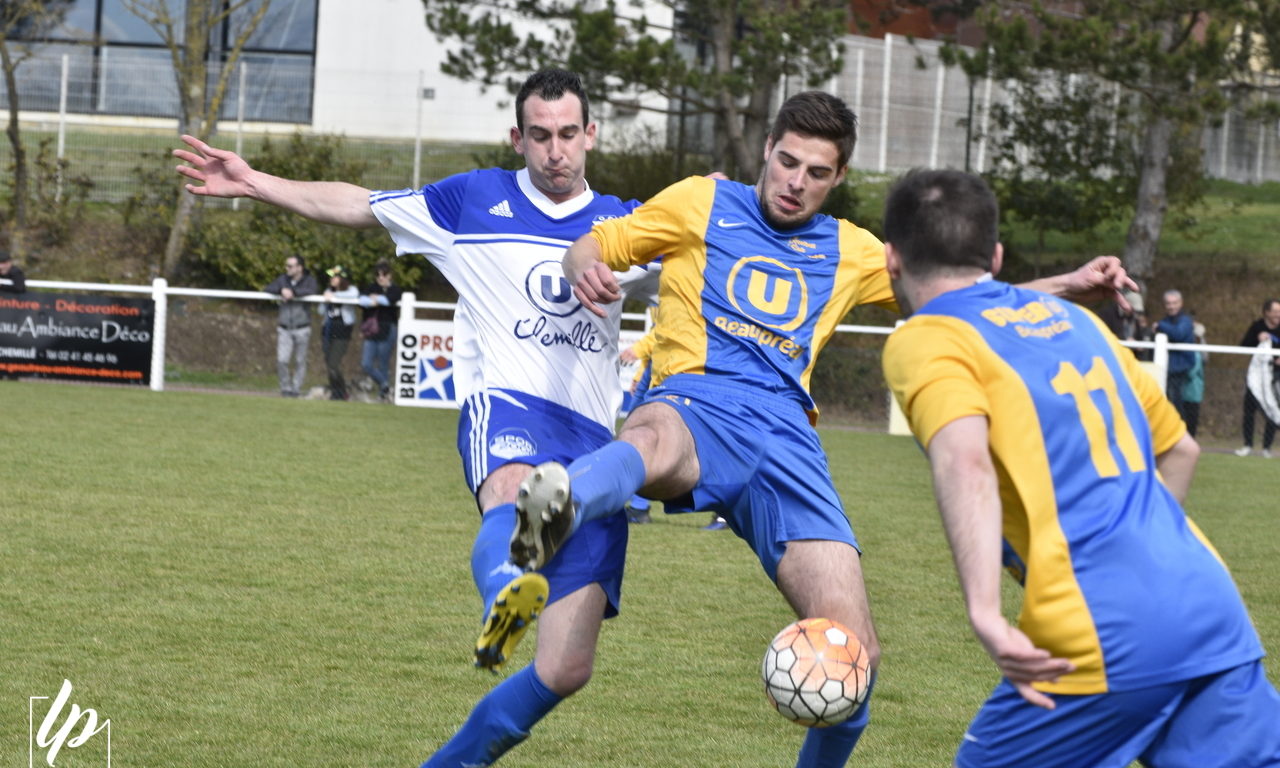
[[255, 581]]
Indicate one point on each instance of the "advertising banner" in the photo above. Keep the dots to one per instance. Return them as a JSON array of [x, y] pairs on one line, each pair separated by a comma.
[[423, 364], [70, 336]]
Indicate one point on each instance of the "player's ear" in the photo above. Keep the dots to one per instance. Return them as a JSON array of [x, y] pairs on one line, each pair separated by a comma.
[[997, 259], [590, 134], [768, 147], [892, 262], [517, 140]]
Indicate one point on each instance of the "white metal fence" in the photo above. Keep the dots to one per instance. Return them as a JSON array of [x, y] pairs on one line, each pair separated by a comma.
[[232, 333]]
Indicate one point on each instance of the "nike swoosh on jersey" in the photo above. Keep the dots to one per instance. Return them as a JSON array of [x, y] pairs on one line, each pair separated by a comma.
[[728, 224]]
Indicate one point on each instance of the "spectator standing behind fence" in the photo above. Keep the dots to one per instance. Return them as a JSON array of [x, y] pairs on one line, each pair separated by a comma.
[[339, 319], [1193, 388], [1180, 329], [380, 300], [1264, 328], [17, 284], [11, 272], [293, 324]]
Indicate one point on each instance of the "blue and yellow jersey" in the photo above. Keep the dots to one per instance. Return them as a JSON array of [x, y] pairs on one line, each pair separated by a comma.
[[740, 299], [1117, 578]]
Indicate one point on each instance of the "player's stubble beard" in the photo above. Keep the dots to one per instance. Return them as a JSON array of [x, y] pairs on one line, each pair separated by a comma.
[[900, 296], [767, 212]]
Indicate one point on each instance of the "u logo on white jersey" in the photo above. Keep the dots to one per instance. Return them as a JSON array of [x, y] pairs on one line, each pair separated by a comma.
[[769, 292], [549, 291]]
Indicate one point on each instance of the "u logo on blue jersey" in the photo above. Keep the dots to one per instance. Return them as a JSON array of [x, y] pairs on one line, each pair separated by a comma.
[[769, 292], [549, 291]]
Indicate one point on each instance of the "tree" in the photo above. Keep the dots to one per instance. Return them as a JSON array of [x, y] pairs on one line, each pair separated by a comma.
[[1062, 153], [187, 37], [1181, 61], [21, 20], [719, 58]]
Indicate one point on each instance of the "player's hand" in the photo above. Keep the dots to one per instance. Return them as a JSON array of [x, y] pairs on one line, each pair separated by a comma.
[[222, 173], [597, 285], [1102, 277], [1019, 660], [628, 356]]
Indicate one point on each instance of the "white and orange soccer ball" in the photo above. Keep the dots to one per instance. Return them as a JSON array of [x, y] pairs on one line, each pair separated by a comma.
[[816, 672]]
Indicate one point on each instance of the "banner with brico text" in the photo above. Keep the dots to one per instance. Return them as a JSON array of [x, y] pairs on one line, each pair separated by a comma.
[[422, 364], [70, 336]]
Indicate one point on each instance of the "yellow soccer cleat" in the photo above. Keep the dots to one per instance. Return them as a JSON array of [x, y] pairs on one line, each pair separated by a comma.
[[513, 612]]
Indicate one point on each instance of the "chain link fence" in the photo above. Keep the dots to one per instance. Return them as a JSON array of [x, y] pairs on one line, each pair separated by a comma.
[[109, 118]]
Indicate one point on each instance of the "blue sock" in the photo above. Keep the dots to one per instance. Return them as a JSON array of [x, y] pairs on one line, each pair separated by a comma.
[[605, 480], [491, 566], [639, 503], [831, 747], [499, 721]]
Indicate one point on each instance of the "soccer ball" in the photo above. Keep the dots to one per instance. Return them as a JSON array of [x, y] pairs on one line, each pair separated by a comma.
[[816, 672]]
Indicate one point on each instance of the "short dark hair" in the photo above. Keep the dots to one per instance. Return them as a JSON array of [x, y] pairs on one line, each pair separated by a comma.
[[1265, 305], [4, 256], [818, 115], [550, 85], [383, 267], [941, 220], [302, 262]]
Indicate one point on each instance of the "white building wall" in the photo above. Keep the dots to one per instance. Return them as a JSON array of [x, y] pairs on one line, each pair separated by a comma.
[[370, 55]]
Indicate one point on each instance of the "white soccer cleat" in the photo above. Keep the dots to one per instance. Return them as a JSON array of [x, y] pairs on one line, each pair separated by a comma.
[[544, 516], [1243, 450]]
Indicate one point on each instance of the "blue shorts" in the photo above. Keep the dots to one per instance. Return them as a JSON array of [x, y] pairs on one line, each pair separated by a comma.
[[762, 466], [1224, 720], [498, 427]]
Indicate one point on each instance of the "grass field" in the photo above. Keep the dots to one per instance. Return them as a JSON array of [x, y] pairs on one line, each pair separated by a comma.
[[241, 581]]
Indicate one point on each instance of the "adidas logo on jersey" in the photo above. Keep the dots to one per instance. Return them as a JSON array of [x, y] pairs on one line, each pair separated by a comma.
[[502, 209]]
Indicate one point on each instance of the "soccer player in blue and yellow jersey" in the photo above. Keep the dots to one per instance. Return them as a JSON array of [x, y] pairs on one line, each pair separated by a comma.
[[1045, 440], [753, 284]]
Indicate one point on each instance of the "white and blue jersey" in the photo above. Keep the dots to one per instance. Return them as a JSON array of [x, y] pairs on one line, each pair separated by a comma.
[[499, 242], [518, 327]]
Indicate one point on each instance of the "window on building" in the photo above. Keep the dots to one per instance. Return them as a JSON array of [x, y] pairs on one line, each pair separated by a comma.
[[117, 64]]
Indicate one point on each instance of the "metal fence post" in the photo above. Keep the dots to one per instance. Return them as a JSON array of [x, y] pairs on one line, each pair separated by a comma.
[[884, 101], [235, 202], [62, 124], [857, 94], [937, 113], [417, 133]]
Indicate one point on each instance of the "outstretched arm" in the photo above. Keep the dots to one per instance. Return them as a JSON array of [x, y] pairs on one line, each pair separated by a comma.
[[1103, 277], [223, 173], [964, 482]]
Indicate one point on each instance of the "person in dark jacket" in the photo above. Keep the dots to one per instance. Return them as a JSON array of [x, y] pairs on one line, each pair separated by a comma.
[[1264, 328], [380, 300], [339, 320], [293, 323], [10, 271], [1180, 329]]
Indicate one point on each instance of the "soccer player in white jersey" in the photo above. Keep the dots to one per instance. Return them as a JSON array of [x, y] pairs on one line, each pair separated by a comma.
[[535, 372]]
